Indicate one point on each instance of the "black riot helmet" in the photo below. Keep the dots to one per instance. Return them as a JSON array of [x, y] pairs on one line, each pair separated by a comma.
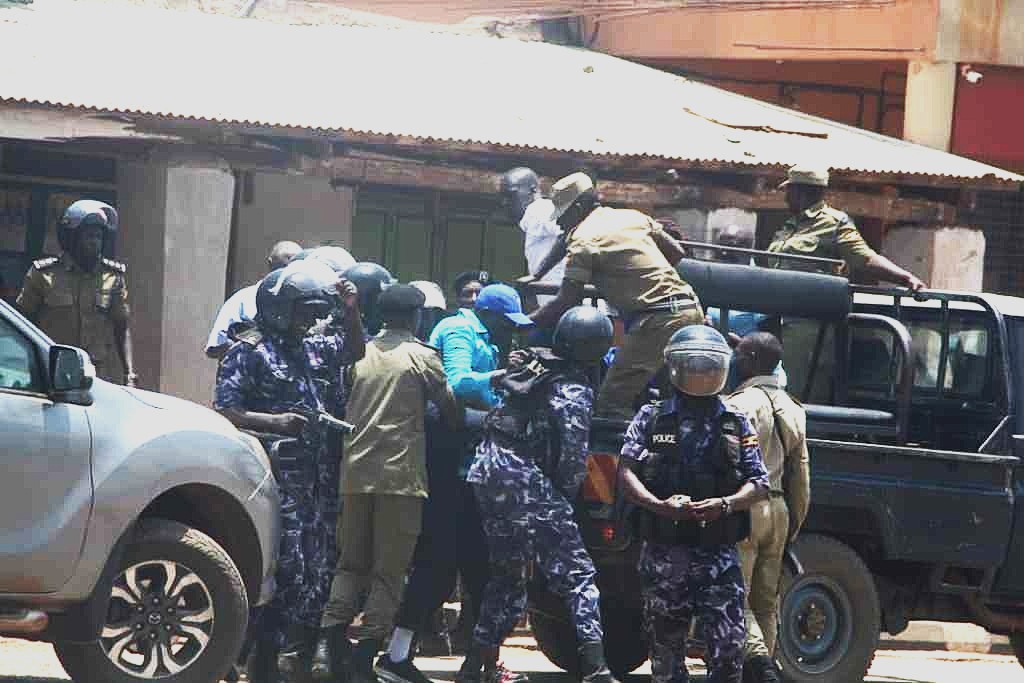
[[583, 334], [86, 211], [290, 297], [370, 280]]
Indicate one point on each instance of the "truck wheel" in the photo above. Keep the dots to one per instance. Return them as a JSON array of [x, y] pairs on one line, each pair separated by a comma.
[[625, 647], [830, 618], [1017, 641], [177, 612]]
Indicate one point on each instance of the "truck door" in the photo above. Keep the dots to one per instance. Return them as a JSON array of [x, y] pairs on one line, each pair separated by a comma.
[[45, 478]]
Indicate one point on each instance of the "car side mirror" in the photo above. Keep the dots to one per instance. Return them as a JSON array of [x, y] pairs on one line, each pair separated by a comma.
[[71, 375]]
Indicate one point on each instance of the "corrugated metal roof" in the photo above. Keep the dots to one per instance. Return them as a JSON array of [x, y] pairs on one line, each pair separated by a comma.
[[408, 82]]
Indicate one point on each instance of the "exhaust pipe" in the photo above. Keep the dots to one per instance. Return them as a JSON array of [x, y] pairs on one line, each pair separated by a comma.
[[23, 622]]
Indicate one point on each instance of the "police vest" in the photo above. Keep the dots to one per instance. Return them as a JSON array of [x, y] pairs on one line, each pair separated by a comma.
[[666, 473], [522, 422]]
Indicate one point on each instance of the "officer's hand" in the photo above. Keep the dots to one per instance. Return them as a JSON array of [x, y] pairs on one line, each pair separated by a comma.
[[677, 507], [914, 283], [526, 280], [518, 358], [348, 292], [707, 510], [290, 424]]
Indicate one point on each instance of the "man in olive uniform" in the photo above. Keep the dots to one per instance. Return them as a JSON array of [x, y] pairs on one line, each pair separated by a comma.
[[780, 424], [816, 229], [81, 298]]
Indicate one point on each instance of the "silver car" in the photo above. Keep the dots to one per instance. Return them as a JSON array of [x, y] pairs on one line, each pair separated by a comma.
[[136, 529]]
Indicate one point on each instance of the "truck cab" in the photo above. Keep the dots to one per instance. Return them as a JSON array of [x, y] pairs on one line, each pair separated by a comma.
[[914, 429]]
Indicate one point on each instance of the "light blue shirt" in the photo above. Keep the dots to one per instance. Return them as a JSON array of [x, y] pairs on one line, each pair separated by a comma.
[[240, 307], [469, 357]]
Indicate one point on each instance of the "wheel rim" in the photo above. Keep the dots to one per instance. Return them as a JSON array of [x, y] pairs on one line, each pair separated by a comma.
[[817, 624], [159, 621]]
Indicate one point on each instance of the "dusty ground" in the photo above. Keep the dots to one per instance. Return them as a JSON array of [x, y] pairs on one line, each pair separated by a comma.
[[24, 662]]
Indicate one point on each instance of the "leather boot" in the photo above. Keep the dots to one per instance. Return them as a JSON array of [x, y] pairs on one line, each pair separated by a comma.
[[332, 653], [760, 669], [294, 660], [263, 662], [360, 669], [478, 657], [593, 668]]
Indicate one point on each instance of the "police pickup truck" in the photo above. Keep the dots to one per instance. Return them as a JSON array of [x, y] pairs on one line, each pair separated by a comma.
[[915, 419]]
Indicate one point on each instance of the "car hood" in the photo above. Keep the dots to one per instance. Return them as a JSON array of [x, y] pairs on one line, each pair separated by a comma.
[[195, 414]]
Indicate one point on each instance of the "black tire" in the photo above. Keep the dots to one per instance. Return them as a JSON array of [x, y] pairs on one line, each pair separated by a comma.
[[201, 619], [1017, 642], [625, 647], [829, 617]]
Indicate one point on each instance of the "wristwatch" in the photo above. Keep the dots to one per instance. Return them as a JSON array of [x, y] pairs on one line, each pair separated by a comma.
[[726, 506]]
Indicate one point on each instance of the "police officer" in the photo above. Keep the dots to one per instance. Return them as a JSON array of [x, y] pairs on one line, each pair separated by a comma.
[[630, 259], [693, 468], [370, 279], [80, 297], [526, 475], [780, 424], [274, 381], [816, 229]]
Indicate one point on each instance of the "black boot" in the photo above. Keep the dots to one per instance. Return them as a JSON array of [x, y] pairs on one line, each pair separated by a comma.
[[295, 659], [477, 657], [333, 650], [262, 666], [360, 669], [760, 669], [593, 668]]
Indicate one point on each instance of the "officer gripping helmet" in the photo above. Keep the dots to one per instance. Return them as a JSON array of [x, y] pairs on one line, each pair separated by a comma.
[[291, 299], [697, 357], [88, 212], [583, 334], [370, 280]]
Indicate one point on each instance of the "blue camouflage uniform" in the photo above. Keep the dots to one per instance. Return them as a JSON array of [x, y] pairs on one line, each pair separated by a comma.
[[528, 514], [264, 374], [680, 583]]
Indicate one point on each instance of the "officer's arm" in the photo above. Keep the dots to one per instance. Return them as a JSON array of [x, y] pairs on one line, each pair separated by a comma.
[[286, 424], [671, 249], [439, 392], [884, 269], [796, 481], [123, 339], [552, 259], [30, 300], [569, 294]]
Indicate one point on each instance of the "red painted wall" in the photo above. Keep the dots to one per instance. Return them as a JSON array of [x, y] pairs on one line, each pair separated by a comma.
[[988, 118]]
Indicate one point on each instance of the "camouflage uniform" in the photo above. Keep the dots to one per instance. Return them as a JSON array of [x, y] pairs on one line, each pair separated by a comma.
[[680, 583], [527, 514], [263, 374]]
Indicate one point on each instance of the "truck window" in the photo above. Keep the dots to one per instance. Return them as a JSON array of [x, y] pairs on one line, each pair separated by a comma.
[[968, 367], [18, 363]]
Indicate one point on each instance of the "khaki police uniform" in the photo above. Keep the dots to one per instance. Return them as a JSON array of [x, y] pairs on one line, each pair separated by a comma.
[[823, 232], [780, 424], [613, 250], [384, 478], [79, 308]]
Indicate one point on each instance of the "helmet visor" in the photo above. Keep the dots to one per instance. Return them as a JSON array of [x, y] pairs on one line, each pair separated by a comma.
[[698, 372], [308, 311]]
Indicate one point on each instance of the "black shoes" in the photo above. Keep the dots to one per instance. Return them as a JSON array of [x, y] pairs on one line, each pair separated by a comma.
[[399, 672], [760, 669], [332, 654], [592, 664]]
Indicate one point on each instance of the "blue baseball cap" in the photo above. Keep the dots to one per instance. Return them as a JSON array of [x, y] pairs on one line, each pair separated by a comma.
[[503, 299]]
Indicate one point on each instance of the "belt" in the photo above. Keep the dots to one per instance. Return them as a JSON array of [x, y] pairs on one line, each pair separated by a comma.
[[776, 494], [674, 304]]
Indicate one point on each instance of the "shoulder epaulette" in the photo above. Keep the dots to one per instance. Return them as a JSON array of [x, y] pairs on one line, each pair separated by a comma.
[[251, 336], [115, 265], [44, 263]]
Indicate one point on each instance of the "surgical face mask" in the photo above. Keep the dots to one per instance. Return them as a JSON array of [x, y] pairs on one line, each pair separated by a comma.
[[698, 373]]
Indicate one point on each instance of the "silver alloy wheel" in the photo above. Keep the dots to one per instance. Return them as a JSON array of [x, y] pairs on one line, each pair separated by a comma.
[[160, 619]]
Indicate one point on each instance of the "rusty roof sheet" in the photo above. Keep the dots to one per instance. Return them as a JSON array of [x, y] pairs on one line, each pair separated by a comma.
[[424, 84]]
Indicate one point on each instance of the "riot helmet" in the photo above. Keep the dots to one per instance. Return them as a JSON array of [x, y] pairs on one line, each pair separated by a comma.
[[434, 307], [583, 334], [291, 299], [336, 257], [370, 280], [697, 357], [87, 212]]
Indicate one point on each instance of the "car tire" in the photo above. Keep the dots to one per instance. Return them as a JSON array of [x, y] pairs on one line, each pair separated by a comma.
[[625, 647], [179, 595], [829, 616]]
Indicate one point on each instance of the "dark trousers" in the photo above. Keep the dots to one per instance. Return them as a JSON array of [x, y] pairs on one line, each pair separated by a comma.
[[452, 541]]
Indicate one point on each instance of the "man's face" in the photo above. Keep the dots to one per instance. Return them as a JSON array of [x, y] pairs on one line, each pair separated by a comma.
[[798, 197], [517, 193], [88, 244], [500, 328], [469, 293]]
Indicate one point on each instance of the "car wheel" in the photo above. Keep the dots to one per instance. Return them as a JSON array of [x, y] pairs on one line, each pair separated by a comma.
[[829, 616], [178, 612]]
